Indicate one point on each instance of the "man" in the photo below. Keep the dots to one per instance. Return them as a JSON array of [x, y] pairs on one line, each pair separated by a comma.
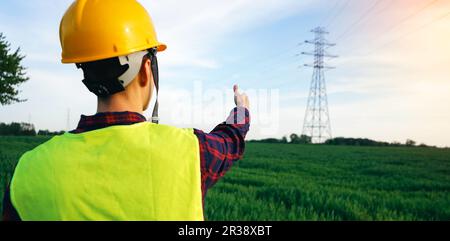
[[115, 165]]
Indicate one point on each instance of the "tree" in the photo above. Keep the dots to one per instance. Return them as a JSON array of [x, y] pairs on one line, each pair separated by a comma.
[[49, 133], [410, 142], [12, 73], [294, 138], [17, 129], [304, 139]]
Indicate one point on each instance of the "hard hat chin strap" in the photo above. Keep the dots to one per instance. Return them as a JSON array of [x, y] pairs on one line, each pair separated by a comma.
[[110, 76], [155, 73]]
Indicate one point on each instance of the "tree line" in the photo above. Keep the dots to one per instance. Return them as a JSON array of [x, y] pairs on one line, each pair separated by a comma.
[[341, 141], [24, 129], [27, 129], [293, 139]]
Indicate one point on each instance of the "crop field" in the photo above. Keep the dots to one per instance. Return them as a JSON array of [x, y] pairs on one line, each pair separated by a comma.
[[315, 182]]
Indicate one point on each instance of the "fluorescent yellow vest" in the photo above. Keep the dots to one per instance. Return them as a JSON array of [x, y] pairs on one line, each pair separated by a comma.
[[137, 172]]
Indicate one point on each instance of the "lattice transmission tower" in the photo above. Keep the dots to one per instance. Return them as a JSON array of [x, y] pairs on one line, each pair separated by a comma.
[[317, 119]]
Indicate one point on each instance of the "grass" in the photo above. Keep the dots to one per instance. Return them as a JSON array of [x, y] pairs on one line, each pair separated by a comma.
[[315, 182], [11, 148]]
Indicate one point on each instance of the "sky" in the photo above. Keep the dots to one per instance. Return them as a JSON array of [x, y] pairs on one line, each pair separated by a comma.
[[391, 81]]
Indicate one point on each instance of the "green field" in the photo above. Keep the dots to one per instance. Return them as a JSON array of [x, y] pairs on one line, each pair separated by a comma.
[[315, 182]]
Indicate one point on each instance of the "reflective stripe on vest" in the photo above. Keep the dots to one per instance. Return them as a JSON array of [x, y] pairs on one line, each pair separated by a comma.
[[138, 172]]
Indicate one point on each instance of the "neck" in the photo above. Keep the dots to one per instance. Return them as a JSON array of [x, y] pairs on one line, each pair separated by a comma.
[[119, 103]]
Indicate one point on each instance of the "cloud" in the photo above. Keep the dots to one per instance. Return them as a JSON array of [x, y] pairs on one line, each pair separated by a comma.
[[193, 30]]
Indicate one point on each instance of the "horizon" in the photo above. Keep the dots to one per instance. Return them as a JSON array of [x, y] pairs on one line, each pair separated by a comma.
[[263, 140]]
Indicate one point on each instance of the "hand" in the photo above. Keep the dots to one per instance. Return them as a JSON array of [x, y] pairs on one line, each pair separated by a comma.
[[241, 100]]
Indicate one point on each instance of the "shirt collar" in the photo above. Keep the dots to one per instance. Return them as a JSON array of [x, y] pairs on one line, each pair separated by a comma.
[[106, 119]]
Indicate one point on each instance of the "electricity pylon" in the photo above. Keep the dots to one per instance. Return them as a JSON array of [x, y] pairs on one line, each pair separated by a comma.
[[317, 119]]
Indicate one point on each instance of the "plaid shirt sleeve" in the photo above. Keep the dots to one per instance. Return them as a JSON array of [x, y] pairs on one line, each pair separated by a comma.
[[222, 147], [9, 212]]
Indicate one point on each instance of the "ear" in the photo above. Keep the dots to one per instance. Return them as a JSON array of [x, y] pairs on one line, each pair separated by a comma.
[[145, 73]]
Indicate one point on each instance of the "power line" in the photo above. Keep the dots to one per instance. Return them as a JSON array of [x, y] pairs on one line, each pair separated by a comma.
[[270, 58], [377, 13], [403, 20], [276, 56], [410, 32], [340, 11], [274, 70], [267, 64], [336, 4], [360, 19]]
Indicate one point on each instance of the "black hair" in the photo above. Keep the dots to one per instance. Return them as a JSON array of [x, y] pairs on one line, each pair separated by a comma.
[[101, 77]]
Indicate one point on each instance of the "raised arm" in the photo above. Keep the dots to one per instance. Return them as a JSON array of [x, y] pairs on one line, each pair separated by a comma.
[[225, 144]]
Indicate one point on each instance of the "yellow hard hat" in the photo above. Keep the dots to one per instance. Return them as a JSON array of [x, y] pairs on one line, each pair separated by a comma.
[[93, 30]]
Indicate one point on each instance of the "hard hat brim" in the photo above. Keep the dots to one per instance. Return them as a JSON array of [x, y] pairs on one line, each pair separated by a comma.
[[160, 47]]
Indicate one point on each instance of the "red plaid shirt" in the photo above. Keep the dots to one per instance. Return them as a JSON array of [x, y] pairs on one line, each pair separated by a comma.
[[219, 149]]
